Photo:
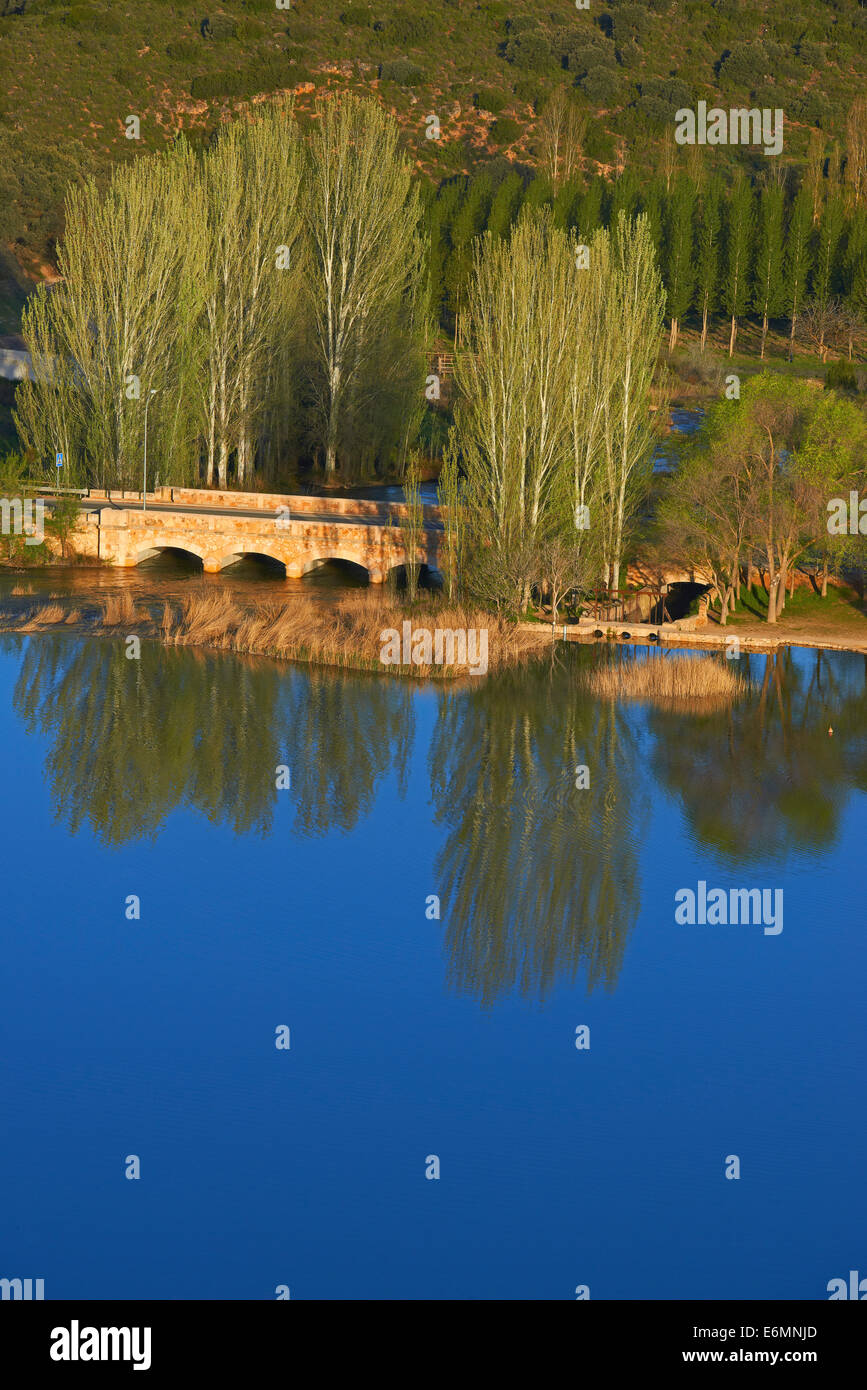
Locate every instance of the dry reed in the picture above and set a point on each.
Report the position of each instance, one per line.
(119, 608)
(348, 633)
(48, 616)
(681, 680)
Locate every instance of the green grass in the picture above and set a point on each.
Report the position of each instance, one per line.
(842, 610)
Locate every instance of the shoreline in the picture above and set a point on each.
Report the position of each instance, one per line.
(676, 637)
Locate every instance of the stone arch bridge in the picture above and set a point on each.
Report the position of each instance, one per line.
(219, 528)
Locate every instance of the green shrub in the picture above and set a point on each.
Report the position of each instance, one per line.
(841, 376)
(357, 17)
(600, 86)
(404, 27)
(630, 24)
(402, 71)
(505, 132)
(241, 83)
(529, 51)
(218, 28)
(248, 28)
(527, 89)
(183, 50)
(490, 99)
(582, 57)
(599, 143)
(748, 64)
(521, 24)
(661, 97)
(299, 31)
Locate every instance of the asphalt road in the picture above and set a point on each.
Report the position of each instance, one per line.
(329, 518)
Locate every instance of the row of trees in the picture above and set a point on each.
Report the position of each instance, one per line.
(553, 429)
(769, 250)
(255, 303)
(751, 499)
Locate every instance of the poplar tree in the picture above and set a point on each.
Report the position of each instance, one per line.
(117, 327)
(707, 272)
(828, 237)
(505, 205)
(249, 248)
(856, 152)
(798, 259)
(511, 414)
(635, 306)
(362, 212)
(856, 272)
(768, 287)
(562, 130)
(679, 253)
(740, 224)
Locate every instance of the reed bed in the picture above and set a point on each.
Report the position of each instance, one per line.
(348, 633)
(675, 680)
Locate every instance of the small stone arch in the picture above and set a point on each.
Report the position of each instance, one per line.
(159, 547)
(251, 552)
(313, 562)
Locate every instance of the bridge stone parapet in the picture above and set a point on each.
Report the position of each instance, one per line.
(300, 504)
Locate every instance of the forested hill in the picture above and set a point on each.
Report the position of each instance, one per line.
(74, 73)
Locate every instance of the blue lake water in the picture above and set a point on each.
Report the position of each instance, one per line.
(413, 1037)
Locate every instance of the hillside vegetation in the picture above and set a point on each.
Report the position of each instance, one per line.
(73, 73)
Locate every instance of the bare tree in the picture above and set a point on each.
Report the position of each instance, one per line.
(412, 527)
(856, 151)
(822, 325)
(562, 130)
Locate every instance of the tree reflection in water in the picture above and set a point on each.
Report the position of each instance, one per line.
(134, 740)
(765, 778)
(538, 879)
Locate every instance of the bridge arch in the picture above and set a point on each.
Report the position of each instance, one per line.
(160, 547)
(314, 562)
(253, 552)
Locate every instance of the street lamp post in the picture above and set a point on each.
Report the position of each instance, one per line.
(144, 494)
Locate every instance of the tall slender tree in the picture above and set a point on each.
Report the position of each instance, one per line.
(798, 258)
(250, 253)
(707, 270)
(362, 212)
(116, 328)
(679, 253)
(768, 286)
(740, 229)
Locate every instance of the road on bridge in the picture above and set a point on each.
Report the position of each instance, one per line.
(99, 504)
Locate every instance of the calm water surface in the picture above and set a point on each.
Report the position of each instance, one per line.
(412, 1036)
